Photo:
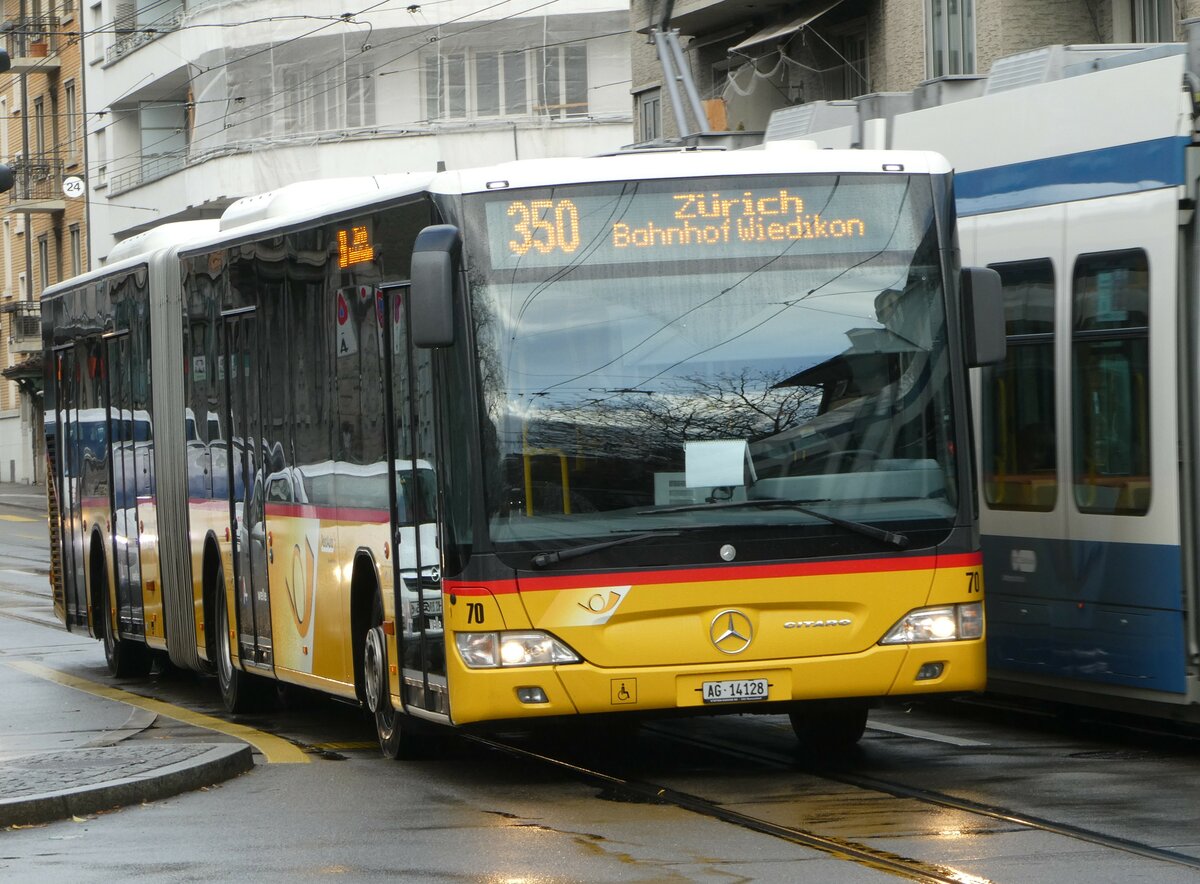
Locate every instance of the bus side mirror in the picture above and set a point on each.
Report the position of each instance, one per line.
(7, 179)
(983, 316)
(434, 260)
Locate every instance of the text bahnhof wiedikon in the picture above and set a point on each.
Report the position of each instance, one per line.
(710, 219)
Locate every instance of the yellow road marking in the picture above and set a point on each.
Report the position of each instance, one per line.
(275, 750)
(5, 518)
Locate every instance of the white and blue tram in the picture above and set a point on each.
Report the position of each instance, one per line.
(1076, 179)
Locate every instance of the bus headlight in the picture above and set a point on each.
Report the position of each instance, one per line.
(488, 650)
(944, 624)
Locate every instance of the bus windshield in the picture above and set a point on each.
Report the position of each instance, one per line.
(652, 352)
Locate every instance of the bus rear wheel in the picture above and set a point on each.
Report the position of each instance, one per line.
(125, 658)
(829, 725)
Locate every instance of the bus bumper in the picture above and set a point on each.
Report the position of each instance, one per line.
(581, 689)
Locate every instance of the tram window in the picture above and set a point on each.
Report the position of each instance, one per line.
(1019, 453)
(1111, 387)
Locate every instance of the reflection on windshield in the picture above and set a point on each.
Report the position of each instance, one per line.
(822, 371)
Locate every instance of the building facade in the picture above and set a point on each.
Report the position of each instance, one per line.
(195, 103)
(749, 60)
(119, 115)
(43, 225)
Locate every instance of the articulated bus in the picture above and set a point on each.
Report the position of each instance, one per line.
(663, 432)
(1077, 181)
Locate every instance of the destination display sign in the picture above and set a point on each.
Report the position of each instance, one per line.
(688, 222)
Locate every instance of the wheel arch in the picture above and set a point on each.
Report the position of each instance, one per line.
(364, 586)
(211, 569)
(99, 584)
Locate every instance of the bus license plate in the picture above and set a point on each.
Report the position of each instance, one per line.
(428, 607)
(734, 691)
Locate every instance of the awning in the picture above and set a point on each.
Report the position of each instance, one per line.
(778, 31)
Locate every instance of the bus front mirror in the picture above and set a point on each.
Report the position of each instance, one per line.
(7, 179)
(434, 260)
(983, 316)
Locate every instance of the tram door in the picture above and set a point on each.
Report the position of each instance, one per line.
(248, 468)
(128, 440)
(68, 456)
(417, 564)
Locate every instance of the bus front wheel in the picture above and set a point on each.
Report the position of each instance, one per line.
(829, 725)
(396, 731)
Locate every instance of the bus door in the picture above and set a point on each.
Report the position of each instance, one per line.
(417, 563)
(68, 455)
(248, 469)
(123, 441)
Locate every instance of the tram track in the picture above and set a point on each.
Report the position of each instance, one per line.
(635, 787)
(839, 848)
(939, 799)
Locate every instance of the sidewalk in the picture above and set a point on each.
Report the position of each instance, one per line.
(25, 497)
(68, 751)
(65, 752)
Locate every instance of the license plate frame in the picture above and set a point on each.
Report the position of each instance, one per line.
(735, 690)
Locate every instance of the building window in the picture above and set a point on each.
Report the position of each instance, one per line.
(855, 76)
(562, 78)
(360, 95)
(949, 37)
(501, 84)
(650, 115)
(74, 137)
(549, 82)
(164, 138)
(101, 144)
(446, 87)
(1110, 361)
(22, 286)
(1153, 20)
(8, 256)
(39, 127)
(76, 250)
(43, 251)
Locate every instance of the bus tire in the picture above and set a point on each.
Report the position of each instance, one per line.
(829, 725)
(240, 691)
(125, 658)
(398, 734)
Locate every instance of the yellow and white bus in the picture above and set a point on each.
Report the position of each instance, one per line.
(659, 432)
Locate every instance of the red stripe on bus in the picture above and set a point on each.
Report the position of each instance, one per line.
(328, 513)
(709, 575)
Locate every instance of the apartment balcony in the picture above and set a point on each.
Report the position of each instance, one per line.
(149, 167)
(33, 44)
(37, 185)
(132, 36)
(24, 326)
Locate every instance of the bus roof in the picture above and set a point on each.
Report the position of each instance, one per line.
(137, 250)
(795, 157)
(294, 204)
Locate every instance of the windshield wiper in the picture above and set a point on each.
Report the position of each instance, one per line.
(542, 560)
(766, 503)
